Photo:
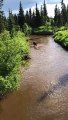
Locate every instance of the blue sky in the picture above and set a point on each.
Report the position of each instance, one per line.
(14, 5)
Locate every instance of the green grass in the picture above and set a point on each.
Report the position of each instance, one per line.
(62, 38)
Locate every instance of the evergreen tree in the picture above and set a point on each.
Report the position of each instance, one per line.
(67, 14)
(10, 23)
(27, 17)
(15, 19)
(16, 26)
(62, 2)
(33, 20)
(1, 3)
(61, 18)
(30, 17)
(1, 16)
(57, 17)
(4, 22)
(21, 18)
(37, 17)
(45, 12)
(63, 14)
(41, 12)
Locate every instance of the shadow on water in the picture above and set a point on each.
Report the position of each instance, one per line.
(62, 82)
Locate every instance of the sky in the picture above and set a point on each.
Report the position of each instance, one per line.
(14, 5)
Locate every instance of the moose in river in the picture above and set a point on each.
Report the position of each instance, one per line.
(34, 44)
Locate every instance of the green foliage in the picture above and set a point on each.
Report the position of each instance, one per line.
(62, 28)
(45, 28)
(62, 38)
(44, 12)
(26, 29)
(12, 52)
(21, 18)
(1, 3)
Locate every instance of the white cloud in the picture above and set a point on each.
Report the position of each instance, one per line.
(15, 11)
(50, 8)
(66, 2)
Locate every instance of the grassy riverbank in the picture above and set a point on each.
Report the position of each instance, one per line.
(13, 51)
(61, 37)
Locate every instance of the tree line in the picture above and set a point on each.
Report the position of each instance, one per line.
(34, 18)
(61, 16)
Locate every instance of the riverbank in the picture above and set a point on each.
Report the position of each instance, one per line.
(42, 33)
(61, 37)
(43, 30)
(14, 52)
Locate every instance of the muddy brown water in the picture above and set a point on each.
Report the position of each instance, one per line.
(43, 94)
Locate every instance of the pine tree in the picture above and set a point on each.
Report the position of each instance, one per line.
(10, 23)
(1, 16)
(16, 26)
(57, 17)
(21, 18)
(41, 12)
(67, 14)
(1, 3)
(62, 2)
(30, 17)
(27, 17)
(37, 17)
(63, 13)
(45, 12)
(33, 20)
(15, 19)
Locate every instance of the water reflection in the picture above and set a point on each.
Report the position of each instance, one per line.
(62, 82)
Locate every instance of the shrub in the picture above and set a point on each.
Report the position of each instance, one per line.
(62, 38)
(12, 51)
(44, 28)
(62, 28)
(26, 29)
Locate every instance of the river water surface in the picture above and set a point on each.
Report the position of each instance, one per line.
(43, 94)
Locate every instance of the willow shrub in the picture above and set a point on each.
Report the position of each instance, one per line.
(62, 38)
(27, 29)
(12, 52)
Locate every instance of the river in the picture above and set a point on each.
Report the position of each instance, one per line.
(43, 94)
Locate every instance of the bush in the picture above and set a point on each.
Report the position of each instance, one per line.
(26, 29)
(12, 51)
(62, 38)
(62, 28)
(44, 28)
